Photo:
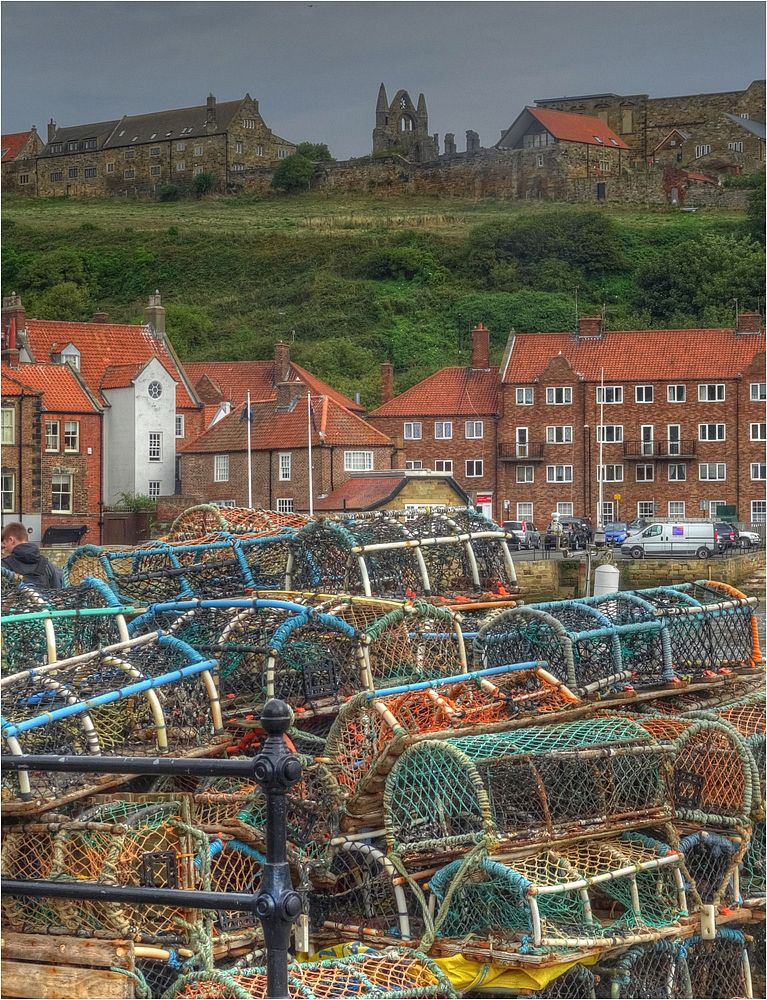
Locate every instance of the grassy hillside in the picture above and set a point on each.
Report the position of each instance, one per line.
(353, 281)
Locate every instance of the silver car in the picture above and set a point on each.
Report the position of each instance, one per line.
(526, 534)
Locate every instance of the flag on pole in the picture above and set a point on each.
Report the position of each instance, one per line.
(247, 414)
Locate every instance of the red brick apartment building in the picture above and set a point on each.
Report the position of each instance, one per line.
(448, 422)
(684, 422)
(683, 427)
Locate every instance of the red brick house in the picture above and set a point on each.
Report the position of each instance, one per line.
(683, 428)
(214, 467)
(52, 449)
(447, 422)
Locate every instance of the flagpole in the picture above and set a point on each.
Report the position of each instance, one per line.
(250, 459)
(601, 472)
(309, 438)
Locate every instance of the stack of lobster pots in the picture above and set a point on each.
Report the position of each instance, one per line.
(563, 799)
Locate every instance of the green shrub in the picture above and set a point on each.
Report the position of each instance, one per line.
(315, 151)
(293, 174)
(168, 192)
(203, 184)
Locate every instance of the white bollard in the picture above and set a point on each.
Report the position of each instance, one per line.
(606, 580)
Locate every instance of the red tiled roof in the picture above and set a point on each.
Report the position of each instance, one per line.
(631, 355)
(62, 390)
(361, 493)
(236, 378)
(568, 127)
(450, 391)
(12, 144)
(695, 175)
(103, 346)
(332, 423)
(120, 376)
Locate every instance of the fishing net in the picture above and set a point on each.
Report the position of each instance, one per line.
(164, 571)
(644, 972)
(313, 811)
(719, 968)
(393, 974)
(148, 695)
(379, 555)
(414, 643)
(134, 841)
(583, 647)
(711, 861)
(370, 732)
(42, 626)
(711, 626)
(572, 896)
(753, 867)
(358, 893)
(525, 786)
(756, 950)
(714, 778)
(205, 518)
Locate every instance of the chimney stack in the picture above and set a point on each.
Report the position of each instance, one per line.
(288, 394)
(590, 326)
(10, 350)
(154, 313)
(100, 317)
(13, 309)
(281, 361)
(480, 346)
(210, 114)
(749, 322)
(51, 130)
(387, 381)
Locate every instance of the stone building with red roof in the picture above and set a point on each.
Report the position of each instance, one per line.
(682, 429)
(18, 161)
(448, 422)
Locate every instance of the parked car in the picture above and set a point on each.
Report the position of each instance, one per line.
(616, 532)
(748, 539)
(725, 535)
(673, 538)
(637, 524)
(576, 534)
(524, 535)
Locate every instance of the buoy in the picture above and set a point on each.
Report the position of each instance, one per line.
(606, 580)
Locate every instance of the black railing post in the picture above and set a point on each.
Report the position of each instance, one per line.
(277, 904)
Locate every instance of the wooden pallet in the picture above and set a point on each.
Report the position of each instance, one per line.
(43, 966)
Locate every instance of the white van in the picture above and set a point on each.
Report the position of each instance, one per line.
(682, 538)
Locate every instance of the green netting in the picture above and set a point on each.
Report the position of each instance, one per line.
(526, 785)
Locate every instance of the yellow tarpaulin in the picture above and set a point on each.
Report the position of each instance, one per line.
(467, 974)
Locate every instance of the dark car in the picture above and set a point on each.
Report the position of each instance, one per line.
(524, 535)
(576, 534)
(725, 536)
(616, 532)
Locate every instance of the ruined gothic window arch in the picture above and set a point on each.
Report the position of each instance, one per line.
(405, 124)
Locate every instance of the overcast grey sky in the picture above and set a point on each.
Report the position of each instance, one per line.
(316, 66)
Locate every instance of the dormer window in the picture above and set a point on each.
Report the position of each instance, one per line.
(57, 147)
(89, 144)
(72, 147)
(68, 355)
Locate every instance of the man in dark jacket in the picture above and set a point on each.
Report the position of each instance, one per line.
(23, 557)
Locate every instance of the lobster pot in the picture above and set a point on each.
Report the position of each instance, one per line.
(134, 842)
(753, 867)
(329, 556)
(371, 730)
(164, 571)
(584, 649)
(551, 897)
(656, 971)
(748, 717)
(358, 888)
(418, 642)
(207, 518)
(43, 626)
(719, 968)
(756, 950)
(27, 853)
(149, 695)
(388, 976)
(712, 863)
(313, 809)
(714, 778)
(711, 626)
(576, 984)
(526, 786)
(218, 803)
(233, 866)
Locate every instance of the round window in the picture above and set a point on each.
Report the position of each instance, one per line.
(155, 390)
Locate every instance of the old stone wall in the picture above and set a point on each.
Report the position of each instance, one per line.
(637, 574)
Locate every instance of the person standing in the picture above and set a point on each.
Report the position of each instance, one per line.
(25, 558)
